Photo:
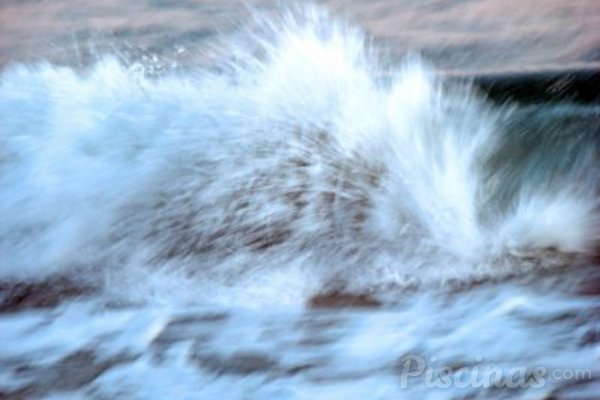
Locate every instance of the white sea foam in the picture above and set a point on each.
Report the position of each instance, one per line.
(295, 165)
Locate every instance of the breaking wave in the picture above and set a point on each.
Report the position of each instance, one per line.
(299, 164)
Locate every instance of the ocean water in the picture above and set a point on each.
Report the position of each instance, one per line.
(182, 226)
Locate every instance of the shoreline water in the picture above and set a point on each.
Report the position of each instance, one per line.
(293, 231)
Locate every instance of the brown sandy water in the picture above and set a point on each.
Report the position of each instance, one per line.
(461, 36)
